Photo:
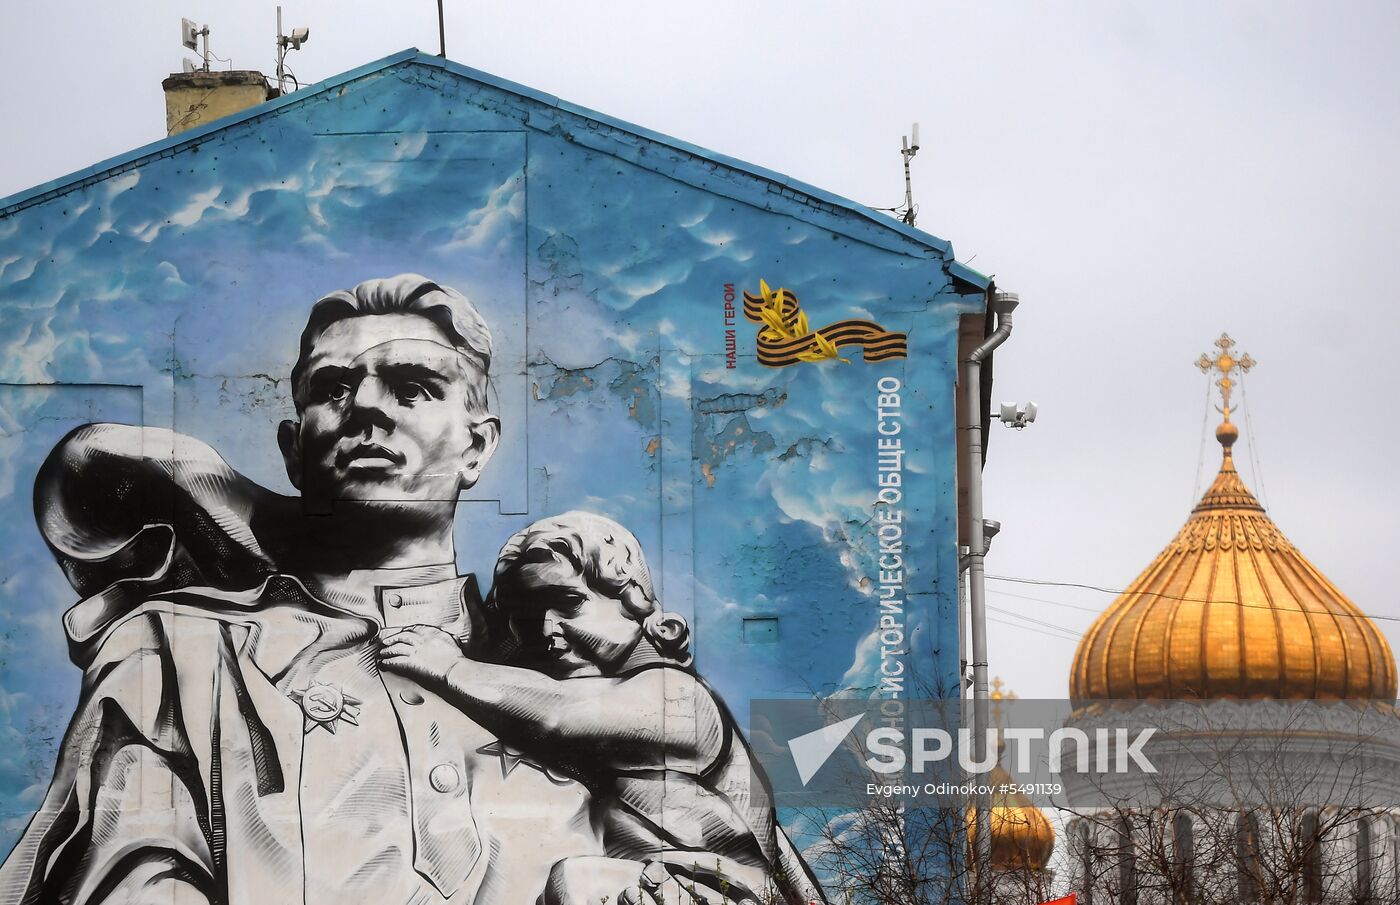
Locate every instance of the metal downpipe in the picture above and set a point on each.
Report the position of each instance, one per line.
(1003, 304)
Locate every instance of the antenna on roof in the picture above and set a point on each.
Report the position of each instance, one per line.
(909, 149)
(442, 33)
(293, 41)
(189, 36)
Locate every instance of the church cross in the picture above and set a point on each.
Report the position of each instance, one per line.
(1223, 363)
(999, 696)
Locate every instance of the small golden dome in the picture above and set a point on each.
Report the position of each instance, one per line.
(1231, 609)
(1022, 837)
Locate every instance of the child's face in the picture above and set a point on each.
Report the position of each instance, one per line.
(571, 629)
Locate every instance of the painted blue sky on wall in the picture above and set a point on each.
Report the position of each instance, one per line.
(171, 293)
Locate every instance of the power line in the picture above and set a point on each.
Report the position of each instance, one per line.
(1030, 629)
(1032, 619)
(1045, 582)
(1116, 591)
(1070, 606)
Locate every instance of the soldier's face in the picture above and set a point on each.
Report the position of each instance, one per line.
(384, 414)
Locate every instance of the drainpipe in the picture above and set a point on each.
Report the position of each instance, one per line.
(964, 702)
(1003, 303)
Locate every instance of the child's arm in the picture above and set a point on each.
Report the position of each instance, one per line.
(654, 719)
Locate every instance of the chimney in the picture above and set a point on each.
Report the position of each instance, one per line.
(198, 98)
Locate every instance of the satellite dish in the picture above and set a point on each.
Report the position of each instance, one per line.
(189, 34)
(190, 65)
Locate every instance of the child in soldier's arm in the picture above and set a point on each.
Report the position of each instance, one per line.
(599, 688)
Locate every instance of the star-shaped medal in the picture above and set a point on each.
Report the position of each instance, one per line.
(325, 706)
(510, 759)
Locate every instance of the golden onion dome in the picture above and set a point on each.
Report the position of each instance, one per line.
(1231, 609)
(1022, 836)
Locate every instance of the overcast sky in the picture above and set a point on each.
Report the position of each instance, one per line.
(1146, 175)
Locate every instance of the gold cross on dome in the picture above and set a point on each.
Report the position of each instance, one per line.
(1224, 363)
(998, 696)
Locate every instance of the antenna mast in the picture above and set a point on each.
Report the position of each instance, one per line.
(908, 150)
(442, 33)
(189, 36)
(293, 41)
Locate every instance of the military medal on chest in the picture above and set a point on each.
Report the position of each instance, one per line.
(511, 758)
(325, 706)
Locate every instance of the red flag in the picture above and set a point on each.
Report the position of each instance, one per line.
(1070, 899)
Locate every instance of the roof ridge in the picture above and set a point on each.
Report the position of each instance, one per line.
(779, 183)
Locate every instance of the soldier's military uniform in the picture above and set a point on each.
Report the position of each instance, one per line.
(244, 747)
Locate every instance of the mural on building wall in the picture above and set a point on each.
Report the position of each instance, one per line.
(293, 685)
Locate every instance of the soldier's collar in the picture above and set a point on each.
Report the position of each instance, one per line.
(443, 602)
(414, 576)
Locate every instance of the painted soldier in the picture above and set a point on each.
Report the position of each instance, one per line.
(235, 740)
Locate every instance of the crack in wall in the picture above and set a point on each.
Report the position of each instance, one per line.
(805, 446)
(727, 403)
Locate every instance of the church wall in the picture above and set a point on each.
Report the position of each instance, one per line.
(1286, 862)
